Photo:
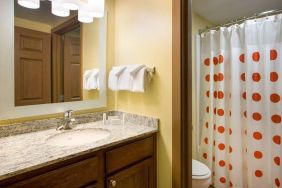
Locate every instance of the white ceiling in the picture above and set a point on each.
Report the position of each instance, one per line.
(223, 11)
(43, 14)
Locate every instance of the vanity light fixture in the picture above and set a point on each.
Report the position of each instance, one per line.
(59, 10)
(96, 8)
(33, 4)
(87, 9)
(84, 16)
(70, 4)
(90, 9)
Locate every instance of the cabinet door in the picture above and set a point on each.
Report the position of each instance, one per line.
(32, 67)
(121, 157)
(141, 175)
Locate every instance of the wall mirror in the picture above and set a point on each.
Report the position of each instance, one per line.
(50, 63)
(51, 57)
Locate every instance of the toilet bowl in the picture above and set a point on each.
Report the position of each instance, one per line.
(201, 175)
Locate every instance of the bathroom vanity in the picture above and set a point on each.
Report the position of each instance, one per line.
(124, 159)
(127, 165)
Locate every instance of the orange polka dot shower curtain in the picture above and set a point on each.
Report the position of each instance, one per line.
(240, 105)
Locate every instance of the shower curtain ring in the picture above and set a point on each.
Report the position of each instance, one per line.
(256, 16)
(245, 18)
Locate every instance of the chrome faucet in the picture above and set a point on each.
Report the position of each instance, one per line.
(68, 121)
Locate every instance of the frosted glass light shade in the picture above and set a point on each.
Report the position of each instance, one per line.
(33, 4)
(59, 10)
(70, 4)
(83, 16)
(97, 8)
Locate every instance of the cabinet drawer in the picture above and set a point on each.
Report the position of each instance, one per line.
(123, 156)
(74, 175)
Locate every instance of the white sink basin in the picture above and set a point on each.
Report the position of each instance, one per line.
(78, 137)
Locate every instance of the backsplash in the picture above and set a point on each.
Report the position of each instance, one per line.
(39, 125)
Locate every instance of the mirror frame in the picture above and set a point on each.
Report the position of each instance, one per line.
(8, 110)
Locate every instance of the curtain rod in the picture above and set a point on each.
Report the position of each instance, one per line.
(241, 20)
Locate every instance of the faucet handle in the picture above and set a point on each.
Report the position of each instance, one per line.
(68, 114)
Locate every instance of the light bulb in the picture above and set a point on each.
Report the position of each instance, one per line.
(59, 10)
(83, 16)
(70, 4)
(33, 4)
(95, 8)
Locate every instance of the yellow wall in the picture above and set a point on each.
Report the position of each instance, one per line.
(90, 52)
(197, 23)
(143, 34)
(20, 22)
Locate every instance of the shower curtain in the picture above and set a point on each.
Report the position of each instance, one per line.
(240, 103)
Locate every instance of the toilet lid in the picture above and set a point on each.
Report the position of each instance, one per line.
(199, 169)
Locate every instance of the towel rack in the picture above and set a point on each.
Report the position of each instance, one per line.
(151, 70)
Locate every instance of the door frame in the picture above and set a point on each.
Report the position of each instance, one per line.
(57, 34)
(182, 94)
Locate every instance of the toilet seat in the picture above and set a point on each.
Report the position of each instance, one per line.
(200, 170)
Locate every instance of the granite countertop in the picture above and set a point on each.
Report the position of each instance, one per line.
(29, 151)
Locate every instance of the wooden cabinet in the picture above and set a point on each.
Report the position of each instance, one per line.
(126, 155)
(128, 165)
(78, 174)
(91, 186)
(141, 175)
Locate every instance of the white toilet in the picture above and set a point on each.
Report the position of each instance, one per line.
(201, 175)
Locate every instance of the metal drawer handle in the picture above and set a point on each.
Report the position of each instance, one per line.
(113, 183)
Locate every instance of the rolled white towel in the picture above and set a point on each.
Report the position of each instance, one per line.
(134, 69)
(130, 77)
(125, 79)
(92, 81)
(86, 76)
(118, 70)
(139, 80)
(114, 76)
